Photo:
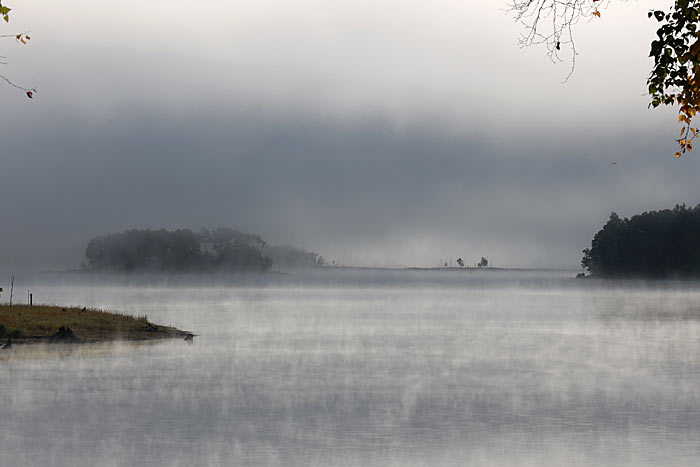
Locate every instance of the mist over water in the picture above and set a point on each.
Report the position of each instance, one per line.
(361, 367)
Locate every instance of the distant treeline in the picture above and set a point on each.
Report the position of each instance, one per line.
(222, 249)
(655, 244)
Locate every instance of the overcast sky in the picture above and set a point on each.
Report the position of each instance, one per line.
(383, 133)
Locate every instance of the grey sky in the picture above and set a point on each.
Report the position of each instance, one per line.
(379, 133)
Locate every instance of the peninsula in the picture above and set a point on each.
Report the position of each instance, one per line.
(24, 324)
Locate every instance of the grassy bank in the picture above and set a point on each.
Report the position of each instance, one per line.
(44, 323)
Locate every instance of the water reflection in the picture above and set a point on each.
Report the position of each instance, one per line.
(533, 371)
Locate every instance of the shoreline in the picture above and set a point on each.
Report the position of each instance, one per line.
(52, 324)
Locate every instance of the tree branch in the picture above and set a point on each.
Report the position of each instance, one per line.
(550, 23)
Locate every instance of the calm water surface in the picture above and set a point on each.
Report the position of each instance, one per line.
(368, 368)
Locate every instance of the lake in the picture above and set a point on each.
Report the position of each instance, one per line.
(366, 368)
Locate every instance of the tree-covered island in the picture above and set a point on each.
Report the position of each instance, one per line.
(182, 250)
(654, 244)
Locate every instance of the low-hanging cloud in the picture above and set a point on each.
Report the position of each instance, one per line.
(379, 134)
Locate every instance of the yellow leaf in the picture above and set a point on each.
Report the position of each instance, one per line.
(678, 154)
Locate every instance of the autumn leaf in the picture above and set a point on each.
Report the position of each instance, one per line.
(596, 13)
(30, 94)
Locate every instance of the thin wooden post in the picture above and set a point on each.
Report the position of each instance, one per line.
(12, 288)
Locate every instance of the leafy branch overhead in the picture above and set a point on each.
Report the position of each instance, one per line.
(5, 12)
(22, 38)
(675, 76)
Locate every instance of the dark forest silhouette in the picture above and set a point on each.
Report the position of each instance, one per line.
(223, 249)
(655, 244)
